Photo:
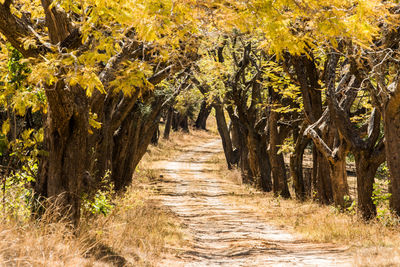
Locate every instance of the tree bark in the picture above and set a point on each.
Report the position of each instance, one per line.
(336, 158)
(224, 133)
(338, 175)
(391, 122)
(131, 142)
(366, 168)
(324, 190)
(204, 112)
(307, 75)
(180, 121)
(258, 161)
(184, 123)
(62, 172)
(168, 123)
(280, 186)
(296, 165)
(156, 135)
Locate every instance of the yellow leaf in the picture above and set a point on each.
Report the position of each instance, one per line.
(5, 128)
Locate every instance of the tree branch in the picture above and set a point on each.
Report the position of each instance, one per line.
(16, 31)
(161, 75)
(321, 145)
(373, 129)
(57, 22)
(338, 114)
(122, 110)
(7, 4)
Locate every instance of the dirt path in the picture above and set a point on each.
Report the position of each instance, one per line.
(222, 235)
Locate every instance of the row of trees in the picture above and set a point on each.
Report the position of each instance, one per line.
(319, 74)
(102, 72)
(264, 99)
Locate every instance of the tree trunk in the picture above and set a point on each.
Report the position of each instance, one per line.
(265, 167)
(259, 161)
(323, 181)
(126, 143)
(234, 130)
(224, 133)
(338, 175)
(366, 171)
(168, 124)
(180, 121)
(296, 165)
(156, 135)
(280, 186)
(242, 146)
(244, 161)
(61, 172)
(391, 127)
(184, 123)
(326, 184)
(307, 75)
(131, 142)
(324, 188)
(205, 111)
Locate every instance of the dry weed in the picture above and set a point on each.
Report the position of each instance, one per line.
(137, 232)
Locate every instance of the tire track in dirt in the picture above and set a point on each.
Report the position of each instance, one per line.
(223, 235)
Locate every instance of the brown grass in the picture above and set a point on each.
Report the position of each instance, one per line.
(375, 243)
(135, 233)
(138, 231)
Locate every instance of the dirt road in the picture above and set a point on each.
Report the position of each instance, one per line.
(223, 235)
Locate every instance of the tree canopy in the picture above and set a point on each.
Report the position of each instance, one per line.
(88, 81)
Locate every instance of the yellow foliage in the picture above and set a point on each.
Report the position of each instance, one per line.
(5, 128)
(93, 122)
(295, 26)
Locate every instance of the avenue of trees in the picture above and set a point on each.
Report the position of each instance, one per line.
(84, 85)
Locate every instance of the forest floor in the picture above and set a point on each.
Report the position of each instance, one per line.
(221, 231)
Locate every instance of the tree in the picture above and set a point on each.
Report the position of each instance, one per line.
(99, 60)
(295, 30)
(205, 110)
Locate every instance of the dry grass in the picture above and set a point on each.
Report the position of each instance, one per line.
(377, 256)
(375, 243)
(321, 223)
(137, 232)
